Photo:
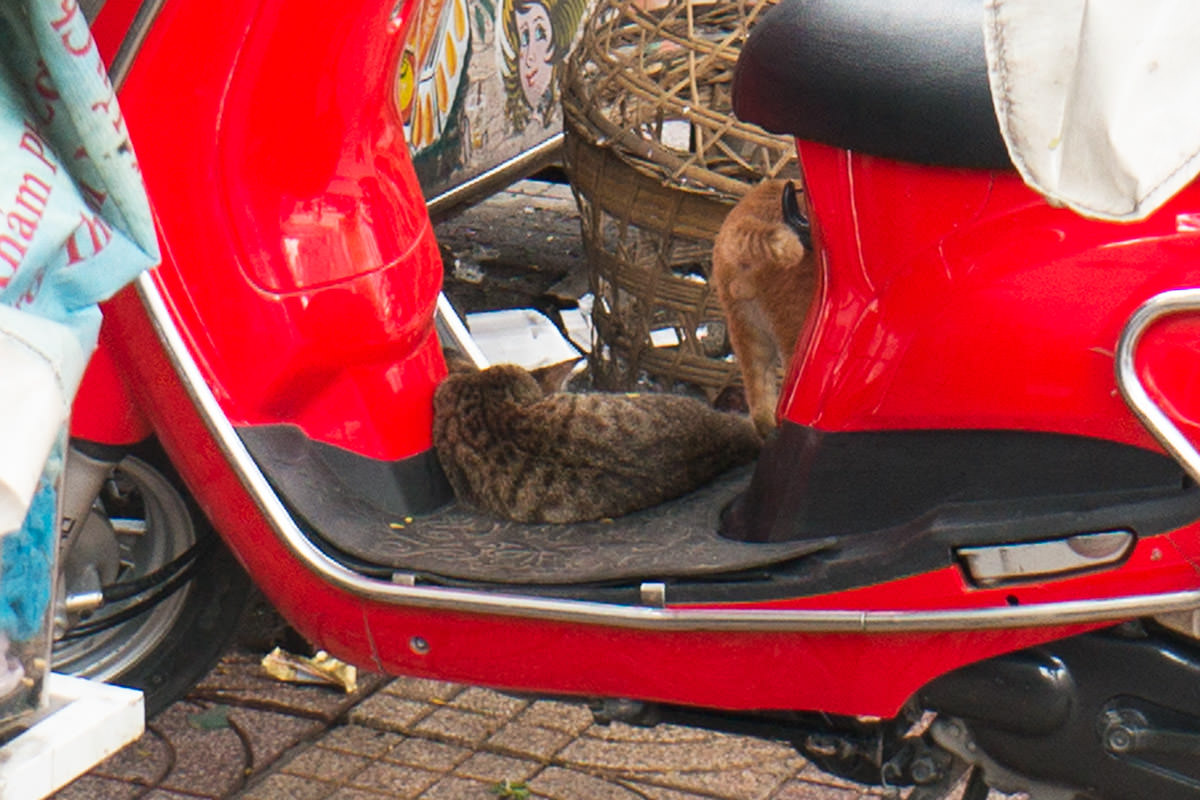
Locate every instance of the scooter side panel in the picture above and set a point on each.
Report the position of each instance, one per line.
(839, 672)
(303, 267)
(331, 618)
(104, 410)
(995, 311)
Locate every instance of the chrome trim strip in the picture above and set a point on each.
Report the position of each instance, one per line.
(91, 8)
(1132, 389)
(134, 38)
(637, 617)
(451, 326)
(493, 180)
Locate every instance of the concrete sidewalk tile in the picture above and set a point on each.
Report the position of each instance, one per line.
(239, 679)
(390, 712)
(269, 735)
(93, 787)
(144, 761)
(428, 754)
(423, 689)
(665, 756)
(728, 784)
(530, 741)
(455, 788)
(488, 701)
(280, 786)
(394, 780)
(458, 726)
(646, 791)
(495, 768)
(210, 758)
(330, 765)
(573, 718)
(351, 793)
(360, 740)
(558, 783)
(664, 733)
(685, 759)
(803, 790)
(814, 774)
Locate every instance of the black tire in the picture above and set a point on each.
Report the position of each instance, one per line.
(166, 636)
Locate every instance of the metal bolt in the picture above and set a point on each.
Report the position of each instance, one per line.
(925, 770)
(418, 645)
(1118, 739)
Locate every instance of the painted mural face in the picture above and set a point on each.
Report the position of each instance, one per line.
(535, 38)
(535, 53)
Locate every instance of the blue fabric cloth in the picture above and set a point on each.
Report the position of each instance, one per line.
(27, 564)
(75, 226)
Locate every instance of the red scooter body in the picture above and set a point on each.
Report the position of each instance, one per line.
(988, 308)
(298, 291)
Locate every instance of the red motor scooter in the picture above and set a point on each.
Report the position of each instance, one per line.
(973, 544)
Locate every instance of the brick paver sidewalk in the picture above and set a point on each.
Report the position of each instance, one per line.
(242, 735)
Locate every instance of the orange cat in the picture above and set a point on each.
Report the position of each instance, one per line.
(765, 279)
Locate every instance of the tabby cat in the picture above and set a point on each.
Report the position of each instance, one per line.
(765, 280)
(516, 452)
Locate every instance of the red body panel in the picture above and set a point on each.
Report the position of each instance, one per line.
(299, 257)
(300, 268)
(104, 410)
(834, 672)
(961, 299)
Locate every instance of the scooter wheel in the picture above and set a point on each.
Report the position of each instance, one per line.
(172, 593)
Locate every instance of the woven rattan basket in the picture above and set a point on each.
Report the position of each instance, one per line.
(656, 160)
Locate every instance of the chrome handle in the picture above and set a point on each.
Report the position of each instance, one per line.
(1132, 389)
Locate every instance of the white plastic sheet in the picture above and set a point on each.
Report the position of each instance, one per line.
(75, 226)
(1098, 100)
(42, 363)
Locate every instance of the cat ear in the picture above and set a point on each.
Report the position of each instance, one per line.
(516, 382)
(794, 217)
(525, 389)
(553, 378)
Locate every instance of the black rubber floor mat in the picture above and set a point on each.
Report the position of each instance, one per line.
(673, 540)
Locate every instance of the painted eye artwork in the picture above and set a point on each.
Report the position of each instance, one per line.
(536, 56)
(537, 36)
(475, 83)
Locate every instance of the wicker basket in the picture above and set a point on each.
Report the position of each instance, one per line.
(656, 160)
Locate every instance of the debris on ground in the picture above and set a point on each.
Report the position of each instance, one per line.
(321, 668)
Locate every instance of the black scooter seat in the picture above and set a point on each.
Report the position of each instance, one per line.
(902, 79)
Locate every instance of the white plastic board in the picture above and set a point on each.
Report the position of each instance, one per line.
(84, 723)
